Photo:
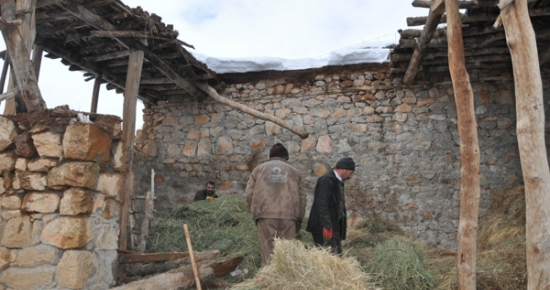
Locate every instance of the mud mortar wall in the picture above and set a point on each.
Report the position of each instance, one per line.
(60, 190)
(404, 139)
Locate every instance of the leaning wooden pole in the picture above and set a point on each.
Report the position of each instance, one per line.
(214, 95)
(520, 37)
(469, 151)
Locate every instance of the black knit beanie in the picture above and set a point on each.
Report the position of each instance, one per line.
(345, 163)
(278, 150)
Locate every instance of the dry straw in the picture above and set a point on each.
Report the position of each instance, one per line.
(293, 266)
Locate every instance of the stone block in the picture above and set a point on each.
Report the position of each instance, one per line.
(48, 144)
(108, 262)
(2, 187)
(67, 232)
(17, 232)
(7, 161)
(76, 201)
(105, 234)
(117, 156)
(24, 146)
(7, 133)
(190, 148)
(324, 145)
(224, 146)
(77, 174)
(20, 278)
(111, 184)
(86, 142)
(9, 214)
(40, 202)
(272, 128)
(7, 257)
(111, 210)
(77, 270)
(42, 164)
(201, 119)
(31, 180)
(37, 256)
(21, 164)
(11, 202)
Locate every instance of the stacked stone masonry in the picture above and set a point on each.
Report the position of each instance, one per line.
(60, 193)
(403, 138)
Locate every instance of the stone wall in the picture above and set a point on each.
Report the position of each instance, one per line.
(403, 138)
(59, 196)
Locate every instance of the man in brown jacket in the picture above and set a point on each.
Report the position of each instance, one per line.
(276, 199)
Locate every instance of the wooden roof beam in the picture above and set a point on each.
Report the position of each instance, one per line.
(416, 21)
(107, 56)
(89, 67)
(461, 4)
(436, 11)
(98, 22)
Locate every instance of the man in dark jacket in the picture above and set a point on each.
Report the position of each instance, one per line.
(276, 199)
(208, 193)
(327, 219)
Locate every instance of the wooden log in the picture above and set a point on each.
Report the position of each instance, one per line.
(182, 278)
(19, 37)
(149, 208)
(95, 94)
(129, 123)
(144, 269)
(461, 4)
(133, 257)
(107, 56)
(436, 11)
(192, 257)
(37, 53)
(212, 93)
(10, 94)
(5, 68)
(531, 139)
(469, 152)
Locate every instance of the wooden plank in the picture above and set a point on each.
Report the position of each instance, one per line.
(530, 124)
(5, 68)
(10, 94)
(214, 95)
(149, 208)
(469, 151)
(107, 56)
(148, 268)
(151, 258)
(95, 94)
(461, 4)
(37, 53)
(437, 10)
(131, 93)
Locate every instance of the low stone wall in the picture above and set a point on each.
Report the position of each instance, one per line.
(60, 193)
(404, 139)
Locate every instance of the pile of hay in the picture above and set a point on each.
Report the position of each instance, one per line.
(501, 260)
(400, 264)
(295, 267)
(224, 224)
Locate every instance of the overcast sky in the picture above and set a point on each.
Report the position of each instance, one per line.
(239, 29)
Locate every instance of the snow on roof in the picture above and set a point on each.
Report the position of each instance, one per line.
(366, 52)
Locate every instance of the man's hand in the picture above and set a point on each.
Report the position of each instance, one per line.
(327, 233)
(211, 198)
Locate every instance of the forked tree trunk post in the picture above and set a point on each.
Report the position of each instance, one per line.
(520, 37)
(469, 151)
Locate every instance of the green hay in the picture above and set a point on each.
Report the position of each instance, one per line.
(224, 224)
(293, 266)
(400, 263)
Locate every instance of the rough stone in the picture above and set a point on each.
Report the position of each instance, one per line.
(77, 269)
(225, 146)
(18, 278)
(201, 119)
(21, 164)
(31, 180)
(86, 142)
(105, 234)
(11, 202)
(78, 174)
(17, 232)
(24, 145)
(40, 202)
(272, 129)
(67, 232)
(204, 147)
(7, 133)
(111, 184)
(190, 148)
(42, 164)
(48, 144)
(308, 144)
(117, 156)
(76, 201)
(324, 145)
(7, 162)
(37, 256)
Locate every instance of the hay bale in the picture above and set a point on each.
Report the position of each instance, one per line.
(400, 263)
(295, 267)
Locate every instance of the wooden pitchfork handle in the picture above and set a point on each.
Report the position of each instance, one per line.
(192, 257)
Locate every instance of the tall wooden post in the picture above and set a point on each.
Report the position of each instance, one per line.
(131, 92)
(469, 151)
(37, 58)
(521, 40)
(95, 95)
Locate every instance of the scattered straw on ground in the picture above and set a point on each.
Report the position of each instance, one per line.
(295, 267)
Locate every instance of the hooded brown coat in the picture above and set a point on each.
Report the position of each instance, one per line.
(275, 191)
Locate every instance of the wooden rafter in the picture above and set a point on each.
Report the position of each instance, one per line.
(436, 11)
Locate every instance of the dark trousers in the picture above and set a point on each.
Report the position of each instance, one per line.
(335, 243)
